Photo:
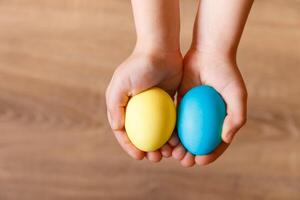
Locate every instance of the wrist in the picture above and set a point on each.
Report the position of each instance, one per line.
(147, 47)
(213, 53)
(158, 43)
(160, 58)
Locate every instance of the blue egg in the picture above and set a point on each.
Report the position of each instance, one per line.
(201, 114)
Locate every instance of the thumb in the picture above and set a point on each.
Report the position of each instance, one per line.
(236, 116)
(230, 127)
(116, 101)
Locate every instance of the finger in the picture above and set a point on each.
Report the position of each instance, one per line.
(236, 115)
(179, 152)
(128, 146)
(166, 151)
(174, 141)
(154, 156)
(117, 96)
(188, 160)
(206, 159)
(231, 127)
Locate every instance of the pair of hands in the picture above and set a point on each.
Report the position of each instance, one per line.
(169, 71)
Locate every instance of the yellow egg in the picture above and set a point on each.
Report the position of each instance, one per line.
(150, 119)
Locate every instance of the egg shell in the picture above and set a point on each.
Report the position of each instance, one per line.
(200, 119)
(150, 119)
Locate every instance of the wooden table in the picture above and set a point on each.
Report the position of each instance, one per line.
(56, 59)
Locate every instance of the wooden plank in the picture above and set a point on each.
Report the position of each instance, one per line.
(56, 59)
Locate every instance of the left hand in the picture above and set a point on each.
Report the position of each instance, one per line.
(140, 71)
(220, 72)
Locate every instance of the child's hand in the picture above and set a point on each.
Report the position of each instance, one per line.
(141, 71)
(222, 73)
(212, 60)
(156, 61)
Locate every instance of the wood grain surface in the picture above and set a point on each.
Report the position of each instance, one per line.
(56, 59)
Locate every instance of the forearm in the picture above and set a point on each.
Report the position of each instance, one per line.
(219, 25)
(157, 24)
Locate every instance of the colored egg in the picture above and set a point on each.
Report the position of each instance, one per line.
(201, 114)
(150, 119)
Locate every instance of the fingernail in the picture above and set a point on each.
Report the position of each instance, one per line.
(229, 137)
(111, 122)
